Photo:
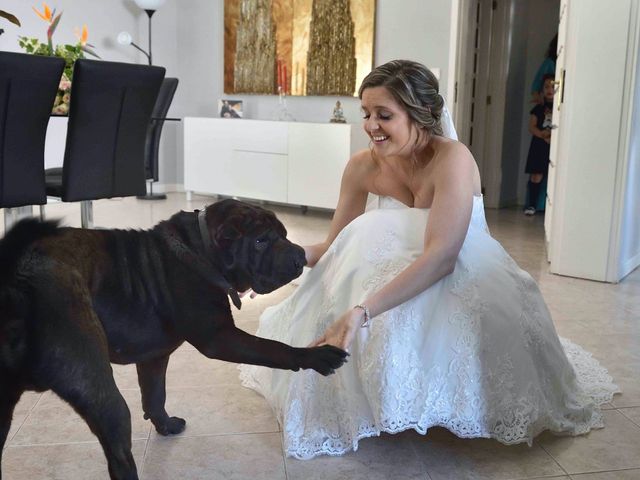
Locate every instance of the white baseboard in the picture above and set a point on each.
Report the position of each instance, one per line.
(629, 266)
(166, 187)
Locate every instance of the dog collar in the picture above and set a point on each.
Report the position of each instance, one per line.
(208, 247)
(204, 231)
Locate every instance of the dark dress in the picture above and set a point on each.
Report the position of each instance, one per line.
(538, 157)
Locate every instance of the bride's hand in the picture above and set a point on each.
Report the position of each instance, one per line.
(249, 292)
(342, 332)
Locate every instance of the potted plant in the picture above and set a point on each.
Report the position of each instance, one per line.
(70, 53)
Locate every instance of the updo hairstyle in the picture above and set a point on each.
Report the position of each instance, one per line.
(414, 87)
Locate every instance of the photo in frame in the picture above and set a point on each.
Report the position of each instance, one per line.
(230, 108)
(297, 47)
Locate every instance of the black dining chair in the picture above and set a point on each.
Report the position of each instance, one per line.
(109, 114)
(28, 87)
(152, 146)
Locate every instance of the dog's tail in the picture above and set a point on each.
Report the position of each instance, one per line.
(14, 302)
(17, 240)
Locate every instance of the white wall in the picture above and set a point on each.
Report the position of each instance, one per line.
(418, 31)
(188, 38)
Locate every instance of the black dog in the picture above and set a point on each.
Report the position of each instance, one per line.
(72, 300)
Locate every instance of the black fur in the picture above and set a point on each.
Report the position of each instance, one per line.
(74, 300)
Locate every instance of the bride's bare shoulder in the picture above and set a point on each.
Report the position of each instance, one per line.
(453, 151)
(362, 162)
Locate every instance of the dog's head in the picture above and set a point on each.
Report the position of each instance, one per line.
(253, 247)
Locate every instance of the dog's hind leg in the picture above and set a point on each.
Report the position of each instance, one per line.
(93, 394)
(151, 378)
(9, 396)
(73, 361)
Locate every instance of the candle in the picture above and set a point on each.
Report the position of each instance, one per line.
(279, 75)
(284, 78)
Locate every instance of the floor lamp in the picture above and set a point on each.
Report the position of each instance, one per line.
(124, 38)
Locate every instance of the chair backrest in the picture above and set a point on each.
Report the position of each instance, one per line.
(152, 147)
(109, 114)
(28, 87)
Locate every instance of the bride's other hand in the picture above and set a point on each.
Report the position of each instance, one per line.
(342, 332)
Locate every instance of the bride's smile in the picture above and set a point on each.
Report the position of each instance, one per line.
(387, 123)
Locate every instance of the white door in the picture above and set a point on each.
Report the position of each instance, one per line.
(555, 153)
(480, 86)
(473, 99)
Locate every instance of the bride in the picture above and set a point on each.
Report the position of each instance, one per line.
(442, 326)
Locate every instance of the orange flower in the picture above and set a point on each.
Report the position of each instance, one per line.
(82, 36)
(47, 14)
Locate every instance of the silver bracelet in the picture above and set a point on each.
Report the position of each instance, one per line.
(367, 315)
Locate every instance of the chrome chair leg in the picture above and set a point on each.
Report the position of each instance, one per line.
(42, 213)
(86, 213)
(14, 215)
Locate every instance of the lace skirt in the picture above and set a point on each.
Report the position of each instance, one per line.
(476, 353)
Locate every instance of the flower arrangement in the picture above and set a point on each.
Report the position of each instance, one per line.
(70, 53)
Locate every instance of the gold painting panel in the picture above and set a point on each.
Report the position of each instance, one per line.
(297, 47)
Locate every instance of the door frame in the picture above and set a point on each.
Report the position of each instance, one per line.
(491, 125)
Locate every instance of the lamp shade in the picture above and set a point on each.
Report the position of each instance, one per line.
(124, 38)
(149, 4)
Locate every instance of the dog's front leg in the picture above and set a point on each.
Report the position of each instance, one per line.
(151, 378)
(234, 345)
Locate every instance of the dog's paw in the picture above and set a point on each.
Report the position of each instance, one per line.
(171, 426)
(325, 359)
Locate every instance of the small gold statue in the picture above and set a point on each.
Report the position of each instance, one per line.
(338, 115)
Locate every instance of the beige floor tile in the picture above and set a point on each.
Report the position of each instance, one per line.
(446, 456)
(73, 461)
(222, 409)
(126, 377)
(632, 414)
(222, 457)
(615, 475)
(54, 421)
(27, 402)
(615, 446)
(190, 368)
(378, 458)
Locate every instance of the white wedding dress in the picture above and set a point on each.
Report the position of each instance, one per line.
(476, 353)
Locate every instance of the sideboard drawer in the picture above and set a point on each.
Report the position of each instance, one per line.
(263, 176)
(260, 136)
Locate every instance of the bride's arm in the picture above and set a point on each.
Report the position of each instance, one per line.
(446, 230)
(351, 203)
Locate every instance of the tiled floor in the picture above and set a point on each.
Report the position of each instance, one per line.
(232, 434)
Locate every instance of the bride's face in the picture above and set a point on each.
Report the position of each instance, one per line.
(387, 123)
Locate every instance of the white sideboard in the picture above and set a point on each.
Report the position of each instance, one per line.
(287, 162)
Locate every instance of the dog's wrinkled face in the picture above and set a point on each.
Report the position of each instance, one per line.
(253, 245)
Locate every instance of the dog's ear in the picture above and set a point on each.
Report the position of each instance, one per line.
(224, 237)
(226, 234)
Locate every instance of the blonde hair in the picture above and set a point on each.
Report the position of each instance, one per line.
(414, 87)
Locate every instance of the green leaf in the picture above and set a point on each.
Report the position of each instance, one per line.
(85, 48)
(11, 18)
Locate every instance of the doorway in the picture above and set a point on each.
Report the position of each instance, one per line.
(500, 45)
